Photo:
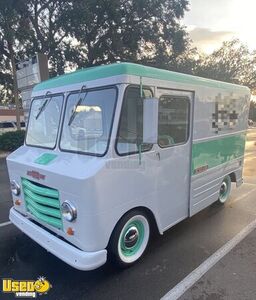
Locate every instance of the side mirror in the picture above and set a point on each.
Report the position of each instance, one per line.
(150, 120)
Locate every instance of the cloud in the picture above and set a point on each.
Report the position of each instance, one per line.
(207, 35)
(208, 40)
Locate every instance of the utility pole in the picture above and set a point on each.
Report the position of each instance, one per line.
(10, 41)
(15, 86)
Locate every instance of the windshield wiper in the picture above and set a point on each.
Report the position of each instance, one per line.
(43, 107)
(80, 100)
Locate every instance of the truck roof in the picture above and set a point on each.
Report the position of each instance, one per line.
(116, 69)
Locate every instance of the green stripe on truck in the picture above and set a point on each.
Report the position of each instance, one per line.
(212, 153)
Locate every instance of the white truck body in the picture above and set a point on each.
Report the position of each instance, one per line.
(170, 182)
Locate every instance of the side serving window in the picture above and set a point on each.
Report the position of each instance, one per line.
(130, 131)
(173, 126)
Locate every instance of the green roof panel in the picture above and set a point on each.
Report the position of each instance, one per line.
(116, 69)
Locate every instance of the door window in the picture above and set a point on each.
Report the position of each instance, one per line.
(173, 126)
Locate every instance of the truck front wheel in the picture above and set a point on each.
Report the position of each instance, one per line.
(130, 239)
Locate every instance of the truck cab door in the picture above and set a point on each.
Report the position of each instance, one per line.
(174, 152)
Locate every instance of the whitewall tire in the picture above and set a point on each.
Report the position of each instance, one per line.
(130, 238)
(225, 190)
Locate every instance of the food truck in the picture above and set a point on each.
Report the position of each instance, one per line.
(116, 151)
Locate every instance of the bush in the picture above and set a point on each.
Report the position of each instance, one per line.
(10, 141)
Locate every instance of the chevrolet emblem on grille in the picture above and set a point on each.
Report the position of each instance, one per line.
(36, 175)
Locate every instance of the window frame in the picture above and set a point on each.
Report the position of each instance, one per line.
(119, 121)
(111, 126)
(58, 131)
(189, 119)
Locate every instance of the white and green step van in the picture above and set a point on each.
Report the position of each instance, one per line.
(113, 152)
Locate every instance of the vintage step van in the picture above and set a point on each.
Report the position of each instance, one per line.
(113, 151)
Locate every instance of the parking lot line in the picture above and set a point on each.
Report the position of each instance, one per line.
(5, 224)
(196, 274)
(244, 195)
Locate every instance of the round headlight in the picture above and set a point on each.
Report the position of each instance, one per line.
(68, 211)
(15, 188)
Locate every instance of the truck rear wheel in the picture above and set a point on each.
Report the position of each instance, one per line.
(130, 239)
(225, 189)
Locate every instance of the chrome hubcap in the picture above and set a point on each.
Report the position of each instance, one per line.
(131, 237)
(223, 188)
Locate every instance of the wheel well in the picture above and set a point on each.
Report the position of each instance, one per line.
(149, 214)
(233, 177)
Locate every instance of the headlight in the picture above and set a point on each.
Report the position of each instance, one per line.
(15, 188)
(68, 211)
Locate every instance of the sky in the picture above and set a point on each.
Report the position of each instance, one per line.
(210, 22)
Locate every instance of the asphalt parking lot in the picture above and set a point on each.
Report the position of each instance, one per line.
(170, 258)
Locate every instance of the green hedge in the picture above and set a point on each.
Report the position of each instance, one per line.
(10, 141)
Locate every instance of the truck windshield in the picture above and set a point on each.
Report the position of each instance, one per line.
(88, 121)
(44, 121)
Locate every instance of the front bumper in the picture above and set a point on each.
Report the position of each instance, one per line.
(71, 255)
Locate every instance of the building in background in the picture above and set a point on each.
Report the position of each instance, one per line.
(30, 72)
(9, 115)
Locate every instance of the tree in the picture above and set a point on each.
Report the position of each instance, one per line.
(27, 27)
(233, 62)
(119, 30)
(46, 20)
(79, 33)
(10, 33)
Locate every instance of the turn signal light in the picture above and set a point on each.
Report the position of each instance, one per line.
(70, 231)
(17, 202)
